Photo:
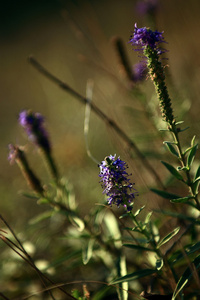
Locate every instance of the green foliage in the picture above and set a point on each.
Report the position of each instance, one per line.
(168, 237)
(173, 171)
(187, 275)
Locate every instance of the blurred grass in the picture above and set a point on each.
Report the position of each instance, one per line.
(73, 39)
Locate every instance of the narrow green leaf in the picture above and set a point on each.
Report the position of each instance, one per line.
(87, 251)
(181, 130)
(196, 180)
(165, 195)
(190, 203)
(187, 150)
(182, 200)
(135, 275)
(191, 155)
(28, 195)
(192, 141)
(148, 217)
(179, 122)
(197, 173)
(189, 249)
(163, 129)
(172, 170)
(139, 211)
(138, 247)
(41, 217)
(185, 277)
(171, 148)
(168, 237)
(195, 185)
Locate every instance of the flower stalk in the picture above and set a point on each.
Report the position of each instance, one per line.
(33, 123)
(148, 42)
(18, 156)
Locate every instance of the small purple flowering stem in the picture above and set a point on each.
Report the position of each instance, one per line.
(120, 192)
(33, 124)
(147, 41)
(101, 114)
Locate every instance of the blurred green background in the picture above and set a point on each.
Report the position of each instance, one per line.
(74, 40)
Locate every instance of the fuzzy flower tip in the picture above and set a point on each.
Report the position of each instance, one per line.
(33, 123)
(116, 183)
(143, 37)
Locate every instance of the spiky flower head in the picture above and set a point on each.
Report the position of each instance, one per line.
(145, 37)
(33, 123)
(116, 183)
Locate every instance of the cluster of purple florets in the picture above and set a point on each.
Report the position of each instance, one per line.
(116, 183)
(33, 123)
(143, 37)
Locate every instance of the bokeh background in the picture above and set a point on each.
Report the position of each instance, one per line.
(74, 41)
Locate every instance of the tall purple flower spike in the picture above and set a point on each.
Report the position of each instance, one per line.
(33, 123)
(116, 183)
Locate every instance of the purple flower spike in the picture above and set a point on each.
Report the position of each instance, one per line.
(33, 125)
(143, 37)
(116, 183)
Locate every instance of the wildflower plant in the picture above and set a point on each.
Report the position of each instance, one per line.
(116, 183)
(33, 124)
(102, 238)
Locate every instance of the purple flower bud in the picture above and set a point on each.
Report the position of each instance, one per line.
(116, 183)
(143, 37)
(33, 123)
